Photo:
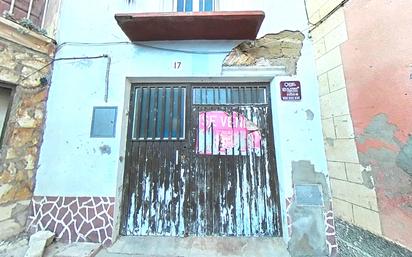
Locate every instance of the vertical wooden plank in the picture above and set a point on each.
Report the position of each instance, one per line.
(142, 180)
(169, 192)
(231, 180)
(256, 186)
(273, 172)
(208, 167)
(160, 228)
(224, 207)
(193, 123)
(151, 171)
(248, 176)
(261, 167)
(259, 121)
(216, 190)
(175, 175)
(203, 187)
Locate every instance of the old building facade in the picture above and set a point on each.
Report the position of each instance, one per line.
(25, 55)
(164, 118)
(196, 128)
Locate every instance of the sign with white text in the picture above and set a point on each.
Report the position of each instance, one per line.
(290, 91)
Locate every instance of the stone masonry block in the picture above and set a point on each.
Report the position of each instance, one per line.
(354, 193)
(328, 6)
(38, 242)
(332, 22)
(343, 210)
(9, 76)
(6, 211)
(341, 150)
(9, 228)
(336, 78)
(354, 172)
(344, 127)
(328, 61)
(323, 84)
(5, 189)
(334, 104)
(367, 219)
(320, 48)
(337, 170)
(336, 37)
(328, 129)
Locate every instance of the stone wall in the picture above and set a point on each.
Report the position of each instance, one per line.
(354, 198)
(21, 55)
(365, 93)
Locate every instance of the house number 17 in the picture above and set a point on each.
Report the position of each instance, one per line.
(177, 65)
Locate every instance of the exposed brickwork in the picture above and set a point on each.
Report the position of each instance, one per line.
(23, 135)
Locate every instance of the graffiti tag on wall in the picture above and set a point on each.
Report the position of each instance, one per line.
(221, 133)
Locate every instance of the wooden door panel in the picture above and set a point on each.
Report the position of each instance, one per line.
(215, 186)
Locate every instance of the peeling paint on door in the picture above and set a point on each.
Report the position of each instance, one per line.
(193, 187)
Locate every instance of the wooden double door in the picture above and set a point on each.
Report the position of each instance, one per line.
(200, 162)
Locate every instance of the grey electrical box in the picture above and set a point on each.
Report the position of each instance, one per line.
(104, 122)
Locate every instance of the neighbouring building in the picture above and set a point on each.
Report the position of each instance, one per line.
(184, 118)
(25, 55)
(363, 61)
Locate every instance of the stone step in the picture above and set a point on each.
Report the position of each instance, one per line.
(72, 250)
(196, 247)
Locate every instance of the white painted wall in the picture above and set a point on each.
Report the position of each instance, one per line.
(71, 163)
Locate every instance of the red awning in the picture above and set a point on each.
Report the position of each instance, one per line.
(240, 25)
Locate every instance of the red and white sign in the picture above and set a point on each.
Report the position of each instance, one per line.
(220, 133)
(290, 91)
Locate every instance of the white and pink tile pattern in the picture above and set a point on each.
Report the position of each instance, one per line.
(74, 219)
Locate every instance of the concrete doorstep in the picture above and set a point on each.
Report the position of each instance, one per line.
(73, 250)
(196, 247)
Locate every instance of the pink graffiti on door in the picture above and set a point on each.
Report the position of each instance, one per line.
(220, 133)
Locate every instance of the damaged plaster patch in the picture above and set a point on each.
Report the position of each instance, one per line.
(303, 172)
(308, 236)
(380, 128)
(404, 158)
(390, 169)
(309, 114)
(105, 149)
(281, 49)
(367, 178)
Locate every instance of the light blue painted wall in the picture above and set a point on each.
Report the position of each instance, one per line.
(71, 163)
